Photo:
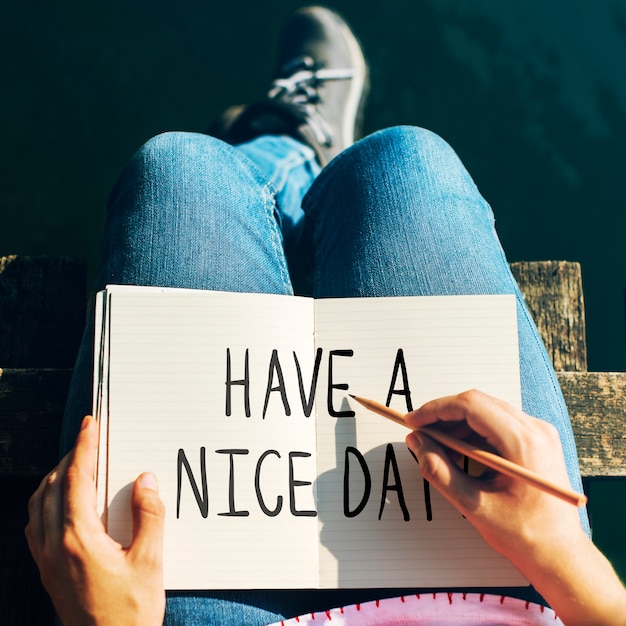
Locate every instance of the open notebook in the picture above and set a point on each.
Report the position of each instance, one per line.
(271, 475)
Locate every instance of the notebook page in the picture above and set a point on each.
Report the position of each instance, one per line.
(100, 396)
(384, 537)
(168, 393)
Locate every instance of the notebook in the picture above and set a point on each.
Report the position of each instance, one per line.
(271, 475)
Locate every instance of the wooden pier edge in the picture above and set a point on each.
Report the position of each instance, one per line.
(42, 315)
(42, 312)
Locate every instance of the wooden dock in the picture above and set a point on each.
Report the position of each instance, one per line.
(42, 313)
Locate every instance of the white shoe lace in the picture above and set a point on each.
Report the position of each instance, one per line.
(300, 90)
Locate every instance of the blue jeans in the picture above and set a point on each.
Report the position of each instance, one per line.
(396, 214)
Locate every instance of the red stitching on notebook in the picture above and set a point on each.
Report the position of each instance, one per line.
(449, 597)
(502, 599)
(402, 599)
(328, 615)
(377, 604)
(465, 595)
(358, 607)
(482, 597)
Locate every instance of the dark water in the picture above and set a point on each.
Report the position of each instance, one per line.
(531, 94)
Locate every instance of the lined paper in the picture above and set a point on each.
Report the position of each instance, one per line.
(166, 389)
(449, 344)
(278, 473)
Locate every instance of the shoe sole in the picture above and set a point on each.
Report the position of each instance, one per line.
(359, 84)
(359, 88)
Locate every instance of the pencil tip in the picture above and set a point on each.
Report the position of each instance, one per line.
(352, 396)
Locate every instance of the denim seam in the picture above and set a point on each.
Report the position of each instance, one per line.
(257, 175)
(268, 192)
(269, 198)
(272, 214)
(284, 167)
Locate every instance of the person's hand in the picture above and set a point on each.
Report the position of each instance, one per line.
(508, 512)
(539, 533)
(91, 578)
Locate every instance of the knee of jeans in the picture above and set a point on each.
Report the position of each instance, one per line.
(186, 162)
(408, 164)
(172, 151)
(161, 157)
(412, 151)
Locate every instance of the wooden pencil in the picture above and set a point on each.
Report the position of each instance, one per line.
(489, 459)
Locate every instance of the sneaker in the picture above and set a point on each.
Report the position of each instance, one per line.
(319, 91)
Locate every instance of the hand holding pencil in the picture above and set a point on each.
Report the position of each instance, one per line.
(539, 533)
(512, 514)
(485, 457)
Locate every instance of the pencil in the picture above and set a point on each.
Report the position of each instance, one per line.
(489, 459)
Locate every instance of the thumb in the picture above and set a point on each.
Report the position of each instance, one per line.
(148, 521)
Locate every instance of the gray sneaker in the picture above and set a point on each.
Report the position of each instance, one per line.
(319, 91)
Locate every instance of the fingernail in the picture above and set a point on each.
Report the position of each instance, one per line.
(86, 421)
(148, 481)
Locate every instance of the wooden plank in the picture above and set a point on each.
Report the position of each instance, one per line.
(23, 600)
(32, 402)
(42, 310)
(554, 296)
(42, 315)
(37, 331)
(596, 401)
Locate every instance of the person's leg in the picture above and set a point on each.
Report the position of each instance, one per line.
(397, 214)
(197, 207)
(190, 211)
(291, 167)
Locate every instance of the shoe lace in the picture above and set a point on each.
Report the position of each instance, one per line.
(300, 90)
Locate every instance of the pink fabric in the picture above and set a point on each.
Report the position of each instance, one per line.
(435, 609)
